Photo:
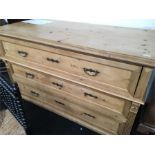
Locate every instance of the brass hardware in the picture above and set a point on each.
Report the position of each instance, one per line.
(22, 53)
(29, 75)
(57, 84)
(53, 60)
(87, 94)
(34, 93)
(91, 116)
(60, 103)
(91, 72)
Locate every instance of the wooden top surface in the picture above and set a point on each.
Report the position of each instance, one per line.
(126, 44)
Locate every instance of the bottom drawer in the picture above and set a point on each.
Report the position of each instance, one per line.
(73, 111)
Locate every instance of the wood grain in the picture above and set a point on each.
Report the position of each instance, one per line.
(86, 94)
(2, 115)
(68, 116)
(143, 83)
(94, 75)
(73, 109)
(1, 49)
(125, 80)
(98, 108)
(75, 79)
(132, 45)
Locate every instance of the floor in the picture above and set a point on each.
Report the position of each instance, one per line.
(10, 126)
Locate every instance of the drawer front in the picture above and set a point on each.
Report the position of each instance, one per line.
(114, 105)
(22, 53)
(73, 109)
(110, 76)
(34, 93)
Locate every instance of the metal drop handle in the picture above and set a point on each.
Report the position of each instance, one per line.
(22, 53)
(60, 103)
(29, 75)
(53, 60)
(91, 72)
(93, 96)
(89, 115)
(57, 84)
(34, 93)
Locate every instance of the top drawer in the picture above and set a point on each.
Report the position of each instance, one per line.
(106, 75)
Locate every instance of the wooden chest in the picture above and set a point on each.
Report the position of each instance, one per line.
(94, 75)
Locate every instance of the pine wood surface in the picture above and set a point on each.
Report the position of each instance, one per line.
(124, 82)
(127, 44)
(94, 75)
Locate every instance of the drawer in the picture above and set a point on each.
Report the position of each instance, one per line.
(73, 109)
(115, 107)
(113, 76)
(22, 53)
(35, 94)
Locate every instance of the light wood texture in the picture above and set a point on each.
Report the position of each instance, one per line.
(94, 75)
(146, 129)
(68, 52)
(100, 76)
(104, 108)
(131, 117)
(62, 86)
(88, 83)
(68, 116)
(1, 49)
(9, 70)
(61, 104)
(143, 83)
(10, 126)
(132, 45)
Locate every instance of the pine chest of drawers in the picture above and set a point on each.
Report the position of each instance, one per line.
(97, 76)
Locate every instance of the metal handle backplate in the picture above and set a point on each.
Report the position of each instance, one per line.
(34, 93)
(91, 72)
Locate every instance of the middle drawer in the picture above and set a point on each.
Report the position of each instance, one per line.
(117, 108)
(63, 106)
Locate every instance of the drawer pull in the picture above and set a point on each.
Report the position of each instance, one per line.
(34, 93)
(29, 75)
(53, 60)
(91, 72)
(22, 53)
(86, 114)
(57, 84)
(60, 103)
(87, 94)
